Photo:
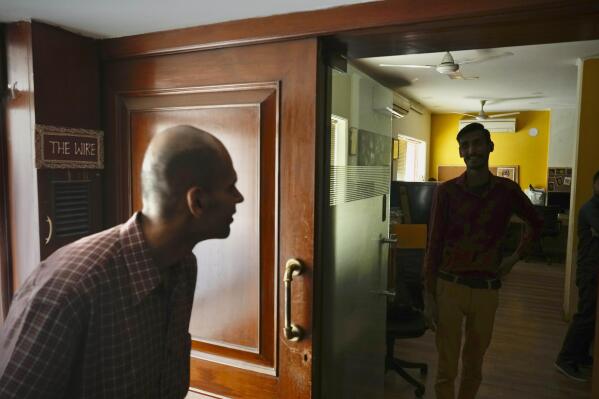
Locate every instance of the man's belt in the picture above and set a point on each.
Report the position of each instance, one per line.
(472, 282)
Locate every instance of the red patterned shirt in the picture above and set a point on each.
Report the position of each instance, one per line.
(467, 229)
(97, 320)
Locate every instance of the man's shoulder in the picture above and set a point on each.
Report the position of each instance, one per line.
(505, 182)
(506, 185)
(80, 265)
(94, 248)
(449, 185)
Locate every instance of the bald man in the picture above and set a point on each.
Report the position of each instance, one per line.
(108, 316)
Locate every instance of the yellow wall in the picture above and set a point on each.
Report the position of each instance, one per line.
(529, 153)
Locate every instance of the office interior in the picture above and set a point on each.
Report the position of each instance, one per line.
(531, 123)
(285, 84)
(535, 134)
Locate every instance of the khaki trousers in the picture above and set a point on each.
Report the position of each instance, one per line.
(478, 306)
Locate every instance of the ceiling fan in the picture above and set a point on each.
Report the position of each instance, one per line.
(483, 116)
(449, 66)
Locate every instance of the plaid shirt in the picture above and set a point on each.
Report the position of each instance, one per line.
(97, 320)
(467, 229)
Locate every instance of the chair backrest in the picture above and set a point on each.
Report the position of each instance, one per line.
(408, 281)
(551, 223)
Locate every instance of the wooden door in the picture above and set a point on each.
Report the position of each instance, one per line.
(260, 101)
(70, 204)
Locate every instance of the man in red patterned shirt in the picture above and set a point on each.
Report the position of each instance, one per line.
(108, 316)
(463, 263)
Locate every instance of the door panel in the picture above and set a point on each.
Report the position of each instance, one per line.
(241, 331)
(257, 103)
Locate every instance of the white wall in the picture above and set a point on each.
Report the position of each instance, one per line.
(416, 126)
(562, 133)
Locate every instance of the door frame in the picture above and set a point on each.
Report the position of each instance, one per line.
(392, 26)
(6, 283)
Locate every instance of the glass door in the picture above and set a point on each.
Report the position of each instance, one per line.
(356, 226)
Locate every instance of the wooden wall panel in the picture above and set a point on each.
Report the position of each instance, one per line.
(388, 27)
(57, 75)
(66, 78)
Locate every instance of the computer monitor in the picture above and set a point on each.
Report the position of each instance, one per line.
(419, 198)
(560, 200)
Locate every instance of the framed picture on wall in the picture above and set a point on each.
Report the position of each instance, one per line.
(509, 172)
(567, 181)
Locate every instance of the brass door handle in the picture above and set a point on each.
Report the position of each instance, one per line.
(293, 268)
(47, 239)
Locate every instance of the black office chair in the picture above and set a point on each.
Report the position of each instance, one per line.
(551, 228)
(404, 314)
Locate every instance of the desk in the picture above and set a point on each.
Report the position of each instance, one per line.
(409, 236)
(563, 218)
(553, 244)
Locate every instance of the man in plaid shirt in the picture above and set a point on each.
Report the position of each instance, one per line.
(463, 263)
(108, 316)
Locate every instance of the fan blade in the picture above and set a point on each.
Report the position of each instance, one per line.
(458, 76)
(408, 66)
(485, 58)
(506, 114)
(461, 113)
(497, 100)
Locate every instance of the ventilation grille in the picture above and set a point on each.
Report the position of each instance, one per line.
(71, 208)
(353, 183)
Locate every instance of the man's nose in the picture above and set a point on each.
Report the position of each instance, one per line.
(239, 197)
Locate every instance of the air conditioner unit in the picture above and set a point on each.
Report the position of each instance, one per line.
(401, 105)
(504, 125)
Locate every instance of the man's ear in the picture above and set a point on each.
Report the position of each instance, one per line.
(195, 199)
(491, 146)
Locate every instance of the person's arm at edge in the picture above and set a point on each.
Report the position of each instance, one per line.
(526, 211)
(434, 248)
(592, 217)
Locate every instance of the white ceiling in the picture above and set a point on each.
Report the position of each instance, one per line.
(116, 18)
(533, 78)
